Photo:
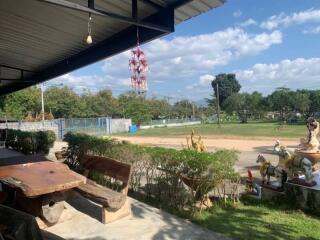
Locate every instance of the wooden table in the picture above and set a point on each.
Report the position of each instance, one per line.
(39, 184)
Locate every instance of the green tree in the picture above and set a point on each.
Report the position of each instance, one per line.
(63, 102)
(19, 104)
(300, 101)
(135, 107)
(286, 101)
(100, 104)
(244, 104)
(228, 84)
(182, 109)
(159, 108)
(237, 103)
(314, 97)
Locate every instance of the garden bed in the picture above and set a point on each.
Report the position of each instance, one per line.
(156, 181)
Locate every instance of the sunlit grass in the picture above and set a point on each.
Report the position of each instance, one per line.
(272, 130)
(259, 222)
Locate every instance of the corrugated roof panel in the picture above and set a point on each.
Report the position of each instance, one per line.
(195, 8)
(35, 35)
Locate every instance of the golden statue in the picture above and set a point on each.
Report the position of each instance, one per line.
(196, 144)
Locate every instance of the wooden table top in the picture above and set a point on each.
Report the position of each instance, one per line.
(35, 177)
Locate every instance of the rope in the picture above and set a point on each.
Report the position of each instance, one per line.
(138, 41)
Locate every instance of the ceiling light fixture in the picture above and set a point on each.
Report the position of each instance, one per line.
(89, 38)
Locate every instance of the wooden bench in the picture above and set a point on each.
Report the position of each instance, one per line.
(115, 204)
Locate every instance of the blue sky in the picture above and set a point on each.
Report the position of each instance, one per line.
(266, 43)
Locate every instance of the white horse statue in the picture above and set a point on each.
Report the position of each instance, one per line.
(267, 170)
(292, 163)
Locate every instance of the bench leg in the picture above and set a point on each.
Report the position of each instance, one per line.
(109, 216)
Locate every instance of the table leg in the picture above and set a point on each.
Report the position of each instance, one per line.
(48, 207)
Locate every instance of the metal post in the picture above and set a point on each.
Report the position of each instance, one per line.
(42, 104)
(218, 103)
(193, 112)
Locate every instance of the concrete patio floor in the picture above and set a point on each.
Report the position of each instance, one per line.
(81, 221)
(146, 223)
(7, 153)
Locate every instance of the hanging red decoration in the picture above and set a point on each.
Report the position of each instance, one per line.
(138, 66)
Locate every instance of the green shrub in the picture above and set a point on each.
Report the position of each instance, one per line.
(30, 142)
(159, 169)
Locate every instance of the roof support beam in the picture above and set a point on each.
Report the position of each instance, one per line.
(111, 46)
(152, 4)
(91, 4)
(180, 3)
(81, 8)
(134, 6)
(14, 68)
(17, 80)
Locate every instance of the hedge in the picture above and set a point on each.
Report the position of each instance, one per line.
(30, 142)
(156, 171)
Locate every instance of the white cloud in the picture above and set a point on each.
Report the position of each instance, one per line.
(205, 80)
(314, 30)
(237, 13)
(178, 62)
(248, 22)
(184, 58)
(283, 20)
(91, 82)
(296, 74)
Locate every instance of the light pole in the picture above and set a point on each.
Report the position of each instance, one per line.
(218, 104)
(42, 103)
(42, 100)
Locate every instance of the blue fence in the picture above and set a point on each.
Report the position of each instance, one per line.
(92, 126)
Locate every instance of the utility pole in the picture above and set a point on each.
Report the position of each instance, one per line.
(169, 113)
(42, 100)
(218, 104)
(42, 104)
(193, 112)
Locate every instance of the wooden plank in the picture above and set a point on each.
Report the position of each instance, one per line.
(38, 178)
(107, 166)
(110, 199)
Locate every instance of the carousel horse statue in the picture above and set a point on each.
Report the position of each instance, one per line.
(293, 163)
(267, 170)
(311, 143)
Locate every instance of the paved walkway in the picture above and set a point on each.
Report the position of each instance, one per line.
(81, 221)
(146, 223)
(7, 153)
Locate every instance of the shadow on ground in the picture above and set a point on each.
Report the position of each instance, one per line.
(174, 227)
(50, 236)
(86, 206)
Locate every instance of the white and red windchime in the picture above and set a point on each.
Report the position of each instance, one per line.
(138, 65)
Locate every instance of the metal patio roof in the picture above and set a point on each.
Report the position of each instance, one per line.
(43, 39)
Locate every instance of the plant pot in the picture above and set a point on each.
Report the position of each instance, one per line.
(314, 157)
(194, 182)
(200, 185)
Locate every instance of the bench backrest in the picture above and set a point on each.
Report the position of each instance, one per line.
(109, 167)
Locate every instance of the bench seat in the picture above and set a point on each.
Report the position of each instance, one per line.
(108, 198)
(115, 205)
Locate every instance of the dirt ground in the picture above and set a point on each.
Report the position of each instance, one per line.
(249, 148)
(213, 143)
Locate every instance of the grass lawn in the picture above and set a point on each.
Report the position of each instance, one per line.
(258, 222)
(273, 130)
